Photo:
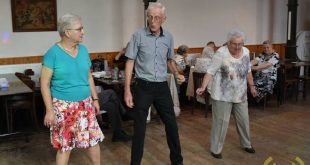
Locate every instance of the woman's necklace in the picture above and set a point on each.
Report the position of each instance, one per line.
(71, 51)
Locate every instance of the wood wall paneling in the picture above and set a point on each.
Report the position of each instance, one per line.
(279, 48)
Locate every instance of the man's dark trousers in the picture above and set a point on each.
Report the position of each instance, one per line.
(157, 93)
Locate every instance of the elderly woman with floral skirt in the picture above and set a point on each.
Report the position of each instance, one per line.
(69, 94)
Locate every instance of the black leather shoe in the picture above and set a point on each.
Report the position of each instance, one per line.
(121, 137)
(250, 150)
(217, 156)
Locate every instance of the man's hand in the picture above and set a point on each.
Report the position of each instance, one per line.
(180, 79)
(128, 98)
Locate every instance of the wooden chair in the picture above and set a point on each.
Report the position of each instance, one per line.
(22, 102)
(198, 79)
(289, 81)
(29, 72)
(304, 80)
(276, 90)
(22, 76)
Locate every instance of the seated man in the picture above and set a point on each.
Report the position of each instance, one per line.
(110, 102)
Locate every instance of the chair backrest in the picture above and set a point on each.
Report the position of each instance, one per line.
(198, 79)
(26, 79)
(30, 83)
(22, 76)
(289, 72)
(29, 72)
(97, 65)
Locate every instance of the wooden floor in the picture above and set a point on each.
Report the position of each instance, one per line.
(279, 135)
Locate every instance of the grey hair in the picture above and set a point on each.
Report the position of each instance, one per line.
(153, 5)
(267, 42)
(235, 34)
(66, 21)
(182, 49)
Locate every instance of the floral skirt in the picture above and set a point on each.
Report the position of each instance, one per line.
(76, 125)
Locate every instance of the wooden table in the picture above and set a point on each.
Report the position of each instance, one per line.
(116, 85)
(298, 70)
(16, 87)
(119, 84)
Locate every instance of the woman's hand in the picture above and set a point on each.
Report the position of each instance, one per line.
(97, 106)
(253, 90)
(49, 119)
(200, 91)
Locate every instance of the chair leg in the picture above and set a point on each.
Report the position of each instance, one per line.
(265, 101)
(296, 89)
(34, 115)
(8, 121)
(305, 89)
(194, 104)
(206, 105)
(206, 108)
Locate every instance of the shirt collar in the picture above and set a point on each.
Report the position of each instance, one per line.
(148, 32)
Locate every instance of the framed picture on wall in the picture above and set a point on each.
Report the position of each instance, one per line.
(34, 15)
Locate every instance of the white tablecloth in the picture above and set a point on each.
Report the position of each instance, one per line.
(174, 94)
(201, 66)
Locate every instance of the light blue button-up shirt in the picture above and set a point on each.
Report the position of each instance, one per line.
(151, 53)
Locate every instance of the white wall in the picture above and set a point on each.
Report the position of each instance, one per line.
(103, 23)
(110, 23)
(195, 22)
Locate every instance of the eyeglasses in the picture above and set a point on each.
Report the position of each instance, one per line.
(78, 29)
(154, 18)
(236, 44)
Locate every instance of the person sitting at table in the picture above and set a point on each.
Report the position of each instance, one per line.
(208, 50)
(181, 58)
(183, 68)
(120, 59)
(265, 65)
(204, 61)
(110, 102)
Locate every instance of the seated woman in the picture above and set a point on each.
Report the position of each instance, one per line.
(120, 59)
(206, 57)
(265, 65)
(209, 50)
(183, 68)
(181, 58)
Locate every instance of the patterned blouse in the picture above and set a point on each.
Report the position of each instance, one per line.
(180, 61)
(266, 79)
(229, 76)
(273, 59)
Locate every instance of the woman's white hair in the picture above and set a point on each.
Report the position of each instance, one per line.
(66, 21)
(153, 5)
(235, 34)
